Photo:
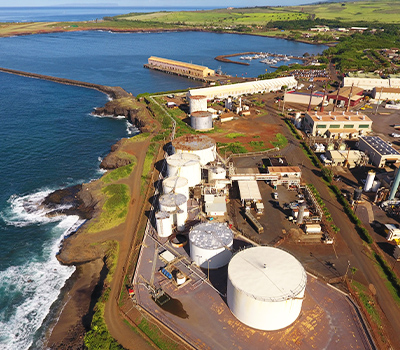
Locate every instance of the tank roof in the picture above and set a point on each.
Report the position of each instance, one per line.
(183, 159)
(267, 274)
(211, 235)
(172, 199)
(176, 181)
(201, 114)
(193, 142)
(162, 215)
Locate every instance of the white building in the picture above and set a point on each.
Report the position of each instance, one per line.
(250, 87)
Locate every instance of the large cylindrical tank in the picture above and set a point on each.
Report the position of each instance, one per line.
(164, 223)
(201, 120)
(197, 103)
(176, 184)
(369, 181)
(216, 172)
(201, 145)
(173, 202)
(209, 244)
(265, 288)
(185, 165)
(181, 217)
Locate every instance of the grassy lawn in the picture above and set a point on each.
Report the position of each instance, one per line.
(281, 141)
(148, 166)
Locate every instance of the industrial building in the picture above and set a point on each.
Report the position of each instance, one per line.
(344, 94)
(349, 158)
(265, 287)
(286, 175)
(371, 83)
(379, 152)
(337, 124)
(179, 68)
(304, 98)
(383, 94)
(250, 87)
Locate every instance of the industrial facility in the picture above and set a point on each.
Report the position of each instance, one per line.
(379, 152)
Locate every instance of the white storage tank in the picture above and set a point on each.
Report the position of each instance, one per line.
(202, 145)
(176, 184)
(369, 181)
(173, 202)
(216, 172)
(201, 120)
(197, 103)
(209, 244)
(265, 287)
(185, 165)
(181, 217)
(164, 223)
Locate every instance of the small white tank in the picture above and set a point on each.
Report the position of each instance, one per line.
(369, 181)
(216, 172)
(176, 184)
(181, 217)
(185, 165)
(201, 120)
(197, 103)
(173, 202)
(164, 224)
(180, 278)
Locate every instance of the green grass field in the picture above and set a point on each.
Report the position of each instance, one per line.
(382, 11)
(217, 17)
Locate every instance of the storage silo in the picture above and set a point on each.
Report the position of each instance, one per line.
(216, 172)
(265, 288)
(171, 202)
(164, 223)
(197, 103)
(181, 217)
(202, 145)
(369, 181)
(210, 244)
(185, 165)
(357, 194)
(176, 184)
(201, 120)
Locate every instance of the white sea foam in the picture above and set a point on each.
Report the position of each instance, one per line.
(33, 287)
(26, 210)
(131, 129)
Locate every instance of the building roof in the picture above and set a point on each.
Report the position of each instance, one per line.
(338, 117)
(345, 92)
(249, 190)
(381, 146)
(284, 169)
(267, 274)
(389, 90)
(179, 63)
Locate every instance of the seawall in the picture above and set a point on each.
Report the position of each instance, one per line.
(112, 91)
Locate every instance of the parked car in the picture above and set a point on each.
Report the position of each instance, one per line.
(275, 195)
(393, 134)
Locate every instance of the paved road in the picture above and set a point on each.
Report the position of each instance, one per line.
(359, 258)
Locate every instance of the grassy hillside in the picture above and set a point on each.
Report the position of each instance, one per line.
(382, 11)
(243, 16)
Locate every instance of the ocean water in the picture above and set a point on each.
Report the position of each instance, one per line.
(50, 140)
(82, 13)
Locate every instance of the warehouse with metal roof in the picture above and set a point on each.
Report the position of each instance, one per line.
(250, 87)
(380, 153)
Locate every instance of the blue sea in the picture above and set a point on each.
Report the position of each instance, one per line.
(49, 139)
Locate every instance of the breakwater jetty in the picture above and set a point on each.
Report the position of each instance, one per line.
(225, 58)
(114, 92)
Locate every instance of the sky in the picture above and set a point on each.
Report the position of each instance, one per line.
(149, 3)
